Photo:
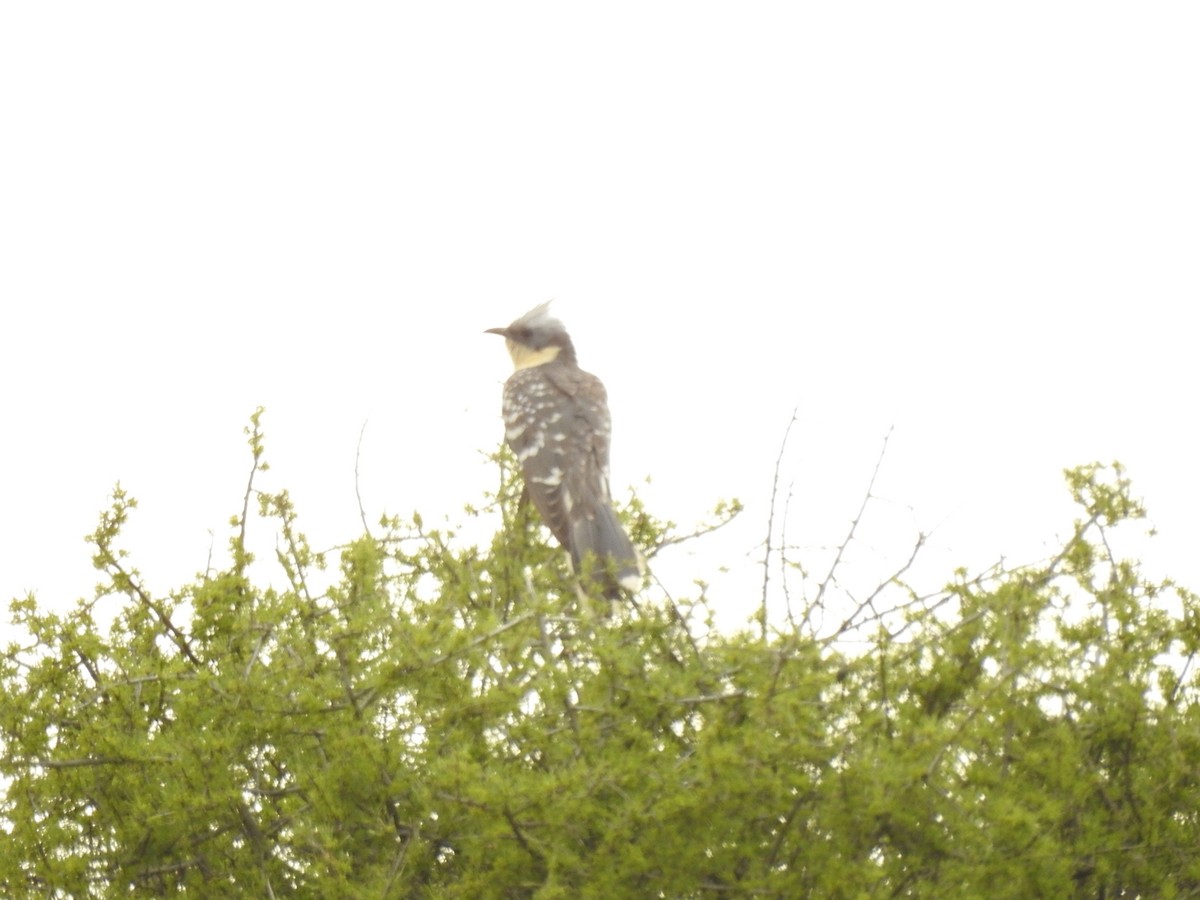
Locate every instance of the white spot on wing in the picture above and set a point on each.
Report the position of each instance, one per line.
(553, 478)
(534, 448)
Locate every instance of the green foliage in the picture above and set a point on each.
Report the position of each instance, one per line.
(445, 720)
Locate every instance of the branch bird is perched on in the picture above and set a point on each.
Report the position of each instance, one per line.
(556, 421)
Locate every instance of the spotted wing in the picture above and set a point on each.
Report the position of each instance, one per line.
(557, 422)
(540, 427)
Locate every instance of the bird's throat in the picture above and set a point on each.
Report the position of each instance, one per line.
(526, 357)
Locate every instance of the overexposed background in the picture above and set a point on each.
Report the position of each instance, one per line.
(977, 223)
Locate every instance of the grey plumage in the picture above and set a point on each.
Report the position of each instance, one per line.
(557, 422)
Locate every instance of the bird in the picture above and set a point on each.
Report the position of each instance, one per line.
(556, 421)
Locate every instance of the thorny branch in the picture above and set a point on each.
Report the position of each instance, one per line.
(841, 550)
(856, 618)
(699, 531)
(852, 621)
(762, 614)
(784, 561)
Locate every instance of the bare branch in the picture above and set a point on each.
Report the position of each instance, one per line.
(851, 621)
(357, 493)
(771, 523)
(841, 550)
(783, 560)
(699, 531)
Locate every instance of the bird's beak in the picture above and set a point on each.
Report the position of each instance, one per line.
(503, 332)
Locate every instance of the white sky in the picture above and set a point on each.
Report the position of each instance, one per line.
(979, 223)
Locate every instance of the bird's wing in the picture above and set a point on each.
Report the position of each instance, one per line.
(557, 422)
(595, 528)
(594, 425)
(590, 434)
(537, 420)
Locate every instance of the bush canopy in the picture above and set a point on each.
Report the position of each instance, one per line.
(432, 718)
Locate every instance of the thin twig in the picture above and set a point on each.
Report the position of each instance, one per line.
(783, 560)
(771, 523)
(841, 550)
(699, 531)
(358, 494)
(262, 639)
(851, 621)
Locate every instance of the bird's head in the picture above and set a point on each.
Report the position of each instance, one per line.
(536, 338)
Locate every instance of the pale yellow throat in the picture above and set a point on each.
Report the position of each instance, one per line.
(526, 357)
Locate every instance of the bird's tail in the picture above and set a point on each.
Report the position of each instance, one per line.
(601, 549)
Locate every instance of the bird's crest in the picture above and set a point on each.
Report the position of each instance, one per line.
(538, 320)
(537, 338)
